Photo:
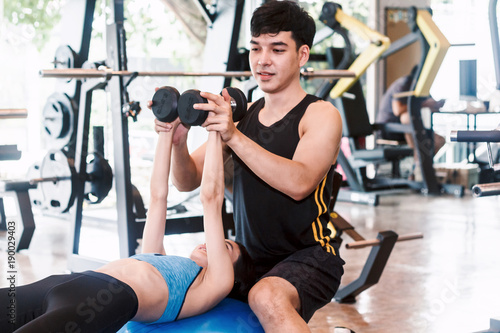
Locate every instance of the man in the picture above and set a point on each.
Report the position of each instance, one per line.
(394, 109)
(283, 151)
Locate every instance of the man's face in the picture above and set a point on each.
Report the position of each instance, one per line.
(275, 61)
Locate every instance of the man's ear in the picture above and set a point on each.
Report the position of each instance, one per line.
(303, 54)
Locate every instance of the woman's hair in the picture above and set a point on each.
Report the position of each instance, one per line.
(276, 16)
(244, 275)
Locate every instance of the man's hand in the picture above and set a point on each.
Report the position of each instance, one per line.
(220, 117)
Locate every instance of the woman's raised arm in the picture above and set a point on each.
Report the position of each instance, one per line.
(154, 230)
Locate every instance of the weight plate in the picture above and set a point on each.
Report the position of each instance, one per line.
(59, 120)
(240, 100)
(64, 57)
(165, 104)
(36, 195)
(58, 195)
(187, 113)
(100, 178)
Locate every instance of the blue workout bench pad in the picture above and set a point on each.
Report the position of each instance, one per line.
(228, 316)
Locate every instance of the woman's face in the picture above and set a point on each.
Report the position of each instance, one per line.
(199, 254)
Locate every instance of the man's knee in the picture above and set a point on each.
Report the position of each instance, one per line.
(260, 297)
(273, 293)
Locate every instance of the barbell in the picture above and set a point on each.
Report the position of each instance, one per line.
(81, 73)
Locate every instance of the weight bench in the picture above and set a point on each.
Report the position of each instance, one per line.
(20, 189)
(377, 259)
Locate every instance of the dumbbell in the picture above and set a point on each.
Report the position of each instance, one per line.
(167, 105)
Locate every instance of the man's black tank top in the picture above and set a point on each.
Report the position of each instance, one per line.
(269, 223)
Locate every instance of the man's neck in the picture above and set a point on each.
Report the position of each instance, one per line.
(277, 105)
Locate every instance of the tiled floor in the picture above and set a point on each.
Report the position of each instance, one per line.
(449, 281)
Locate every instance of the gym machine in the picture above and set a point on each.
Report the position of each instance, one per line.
(10, 152)
(381, 248)
(488, 189)
(130, 208)
(347, 95)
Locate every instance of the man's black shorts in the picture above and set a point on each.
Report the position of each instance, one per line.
(315, 274)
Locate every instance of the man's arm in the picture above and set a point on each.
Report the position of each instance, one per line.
(320, 134)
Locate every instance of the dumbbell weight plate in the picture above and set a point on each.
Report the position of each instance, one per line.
(165, 103)
(240, 107)
(187, 113)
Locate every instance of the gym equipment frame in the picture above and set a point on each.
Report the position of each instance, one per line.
(129, 205)
(434, 47)
(377, 259)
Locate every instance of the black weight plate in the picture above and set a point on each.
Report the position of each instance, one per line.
(165, 104)
(58, 196)
(187, 113)
(240, 100)
(59, 120)
(100, 179)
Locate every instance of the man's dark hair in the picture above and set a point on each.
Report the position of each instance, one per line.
(276, 16)
(244, 275)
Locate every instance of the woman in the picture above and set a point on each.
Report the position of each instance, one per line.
(150, 287)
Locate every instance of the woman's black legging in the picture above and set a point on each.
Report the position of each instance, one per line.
(80, 302)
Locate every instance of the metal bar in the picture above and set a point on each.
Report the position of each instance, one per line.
(475, 136)
(26, 214)
(207, 16)
(400, 44)
(483, 190)
(495, 41)
(81, 151)
(375, 242)
(78, 73)
(3, 218)
(49, 179)
(13, 113)
(123, 184)
(424, 146)
(372, 270)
